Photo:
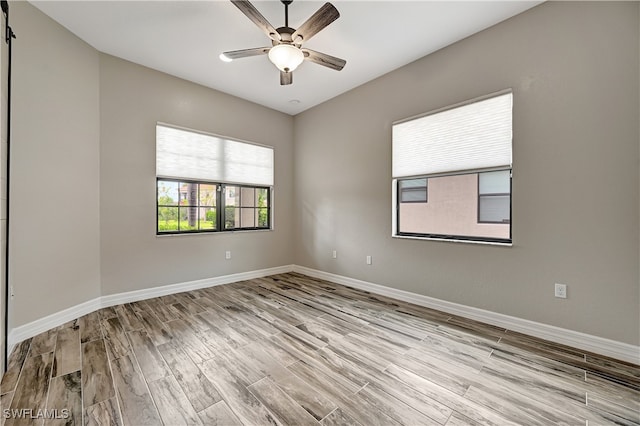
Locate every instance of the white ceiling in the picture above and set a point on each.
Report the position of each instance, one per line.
(184, 39)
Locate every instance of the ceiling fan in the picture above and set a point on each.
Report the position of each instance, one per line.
(286, 51)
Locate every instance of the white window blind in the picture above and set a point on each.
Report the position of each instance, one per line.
(469, 137)
(182, 154)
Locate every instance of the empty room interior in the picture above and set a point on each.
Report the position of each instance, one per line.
(433, 220)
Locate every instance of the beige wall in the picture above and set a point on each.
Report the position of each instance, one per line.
(573, 68)
(132, 100)
(55, 168)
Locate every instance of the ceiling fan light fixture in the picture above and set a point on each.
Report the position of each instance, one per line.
(225, 58)
(286, 57)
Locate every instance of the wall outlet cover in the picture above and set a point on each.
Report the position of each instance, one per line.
(561, 291)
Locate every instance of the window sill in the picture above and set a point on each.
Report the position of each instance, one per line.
(453, 240)
(237, 231)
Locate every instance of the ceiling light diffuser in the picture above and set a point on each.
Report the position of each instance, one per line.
(286, 57)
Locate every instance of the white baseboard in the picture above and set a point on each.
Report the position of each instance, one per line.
(611, 348)
(148, 293)
(587, 342)
(36, 327)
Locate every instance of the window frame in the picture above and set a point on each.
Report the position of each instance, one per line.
(219, 208)
(398, 176)
(223, 208)
(397, 233)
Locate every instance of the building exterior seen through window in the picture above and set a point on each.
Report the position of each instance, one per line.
(472, 205)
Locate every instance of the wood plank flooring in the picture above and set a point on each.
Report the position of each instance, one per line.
(294, 350)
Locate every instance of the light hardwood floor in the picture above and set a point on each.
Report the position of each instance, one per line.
(294, 350)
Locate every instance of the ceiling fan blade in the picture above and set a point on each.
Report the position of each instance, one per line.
(324, 59)
(286, 78)
(245, 53)
(323, 17)
(256, 17)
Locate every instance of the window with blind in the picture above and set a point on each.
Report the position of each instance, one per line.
(206, 183)
(462, 154)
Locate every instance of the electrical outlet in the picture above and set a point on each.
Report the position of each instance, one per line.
(561, 291)
(334, 254)
(227, 255)
(368, 260)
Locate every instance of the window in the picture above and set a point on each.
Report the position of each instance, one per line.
(246, 207)
(462, 154)
(186, 206)
(494, 197)
(413, 190)
(205, 183)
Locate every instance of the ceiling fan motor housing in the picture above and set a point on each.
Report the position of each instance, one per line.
(285, 36)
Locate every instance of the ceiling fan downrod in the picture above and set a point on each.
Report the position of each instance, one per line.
(286, 11)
